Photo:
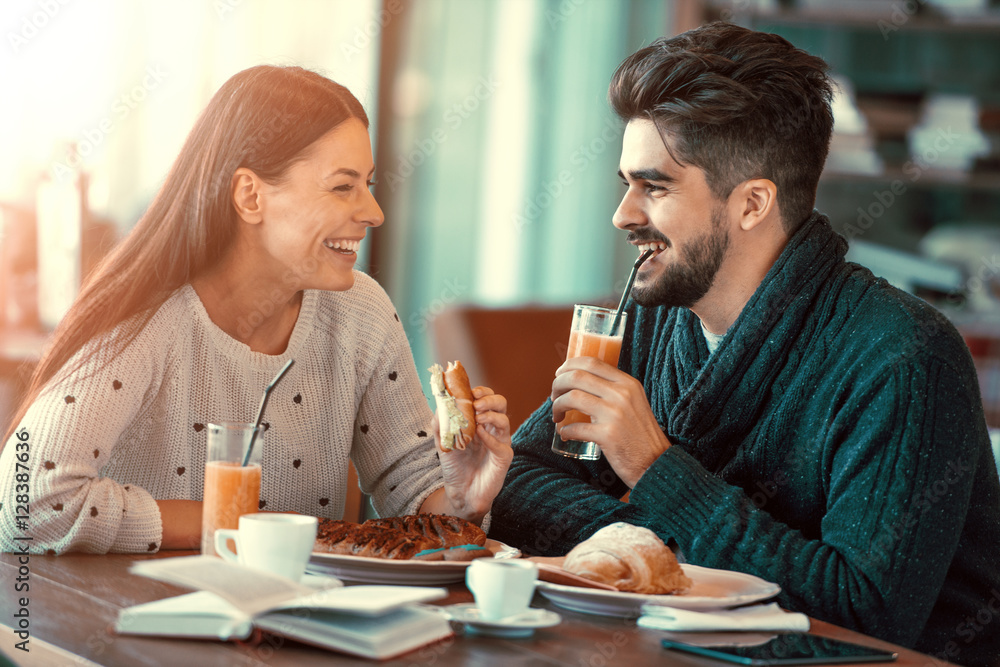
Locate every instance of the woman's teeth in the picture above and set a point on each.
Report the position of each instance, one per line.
(655, 247)
(343, 245)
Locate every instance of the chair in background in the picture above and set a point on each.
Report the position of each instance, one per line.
(514, 351)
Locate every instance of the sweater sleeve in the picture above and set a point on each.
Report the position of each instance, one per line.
(54, 462)
(899, 464)
(549, 503)
(393, 448)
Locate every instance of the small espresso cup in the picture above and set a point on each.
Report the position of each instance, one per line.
(502, 588)
(277, 543)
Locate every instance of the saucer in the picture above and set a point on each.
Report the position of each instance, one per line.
(522, 625)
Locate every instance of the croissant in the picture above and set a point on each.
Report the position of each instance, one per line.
(630, 558)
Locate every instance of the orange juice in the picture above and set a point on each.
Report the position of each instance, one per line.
(584, 344)
(231, 490)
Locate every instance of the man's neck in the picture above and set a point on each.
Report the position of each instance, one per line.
(738, 278)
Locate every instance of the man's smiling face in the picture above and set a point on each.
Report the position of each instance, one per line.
(669, 207)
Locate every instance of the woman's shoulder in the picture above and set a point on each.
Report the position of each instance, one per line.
(168, 320)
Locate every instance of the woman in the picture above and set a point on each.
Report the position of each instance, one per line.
(243, 260)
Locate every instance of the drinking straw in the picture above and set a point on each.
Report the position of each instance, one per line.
(628, 288)
(263, 404)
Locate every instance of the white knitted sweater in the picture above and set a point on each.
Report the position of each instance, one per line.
(106, 441)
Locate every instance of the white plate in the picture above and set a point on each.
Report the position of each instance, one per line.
(522, 625)
(415, 572)
(711, 589)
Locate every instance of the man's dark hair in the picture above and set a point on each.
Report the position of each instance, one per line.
(738, 104)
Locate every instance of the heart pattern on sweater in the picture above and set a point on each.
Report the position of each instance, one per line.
(117, 385)
(296, 463)
(97, 453)
(421, 434)
(364, 428)
(199, 428)
(297, 398)
(393, 376)
(70, 399)
(151, 547)
(49, 465)
(93, 511)
(262, 504)
(324, 502)
(58, 507)
(180, 470)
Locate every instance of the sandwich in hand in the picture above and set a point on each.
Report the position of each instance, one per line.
(453, 398)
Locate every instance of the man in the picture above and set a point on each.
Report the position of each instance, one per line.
(777, 411)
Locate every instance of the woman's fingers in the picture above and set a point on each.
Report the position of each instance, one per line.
(488, 400)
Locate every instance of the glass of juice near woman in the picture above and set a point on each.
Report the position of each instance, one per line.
(594, 333)
(232, 489)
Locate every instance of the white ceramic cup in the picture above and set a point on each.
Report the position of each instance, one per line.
(277, 543)
(502, 588)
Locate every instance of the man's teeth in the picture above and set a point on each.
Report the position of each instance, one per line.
(655, 247)
(343, 244)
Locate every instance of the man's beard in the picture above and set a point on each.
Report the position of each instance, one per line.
(684, 282)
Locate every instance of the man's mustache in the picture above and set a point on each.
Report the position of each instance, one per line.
(636, 237)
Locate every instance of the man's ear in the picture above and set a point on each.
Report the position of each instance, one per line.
(755, 201)
(246, 190)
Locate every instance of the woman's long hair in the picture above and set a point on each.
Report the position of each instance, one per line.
(262, 119)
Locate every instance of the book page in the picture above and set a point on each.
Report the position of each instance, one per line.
(249, 590)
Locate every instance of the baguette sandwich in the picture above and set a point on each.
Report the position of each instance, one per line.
(453, 399)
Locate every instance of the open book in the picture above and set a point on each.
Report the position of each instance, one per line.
(369, 621)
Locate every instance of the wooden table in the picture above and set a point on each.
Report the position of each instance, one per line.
(74, 600)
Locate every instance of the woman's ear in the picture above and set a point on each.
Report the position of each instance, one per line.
(246, 190)
(757, 199)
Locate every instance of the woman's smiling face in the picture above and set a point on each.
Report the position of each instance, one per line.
(312, 222)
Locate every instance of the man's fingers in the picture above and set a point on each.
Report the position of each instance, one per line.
(591, 365)
(575, 399)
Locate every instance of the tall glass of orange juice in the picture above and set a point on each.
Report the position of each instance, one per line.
(231, 488)
(590, 335)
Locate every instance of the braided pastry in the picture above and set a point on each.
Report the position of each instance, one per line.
(630, 558)
(398, 538)
(450, 531)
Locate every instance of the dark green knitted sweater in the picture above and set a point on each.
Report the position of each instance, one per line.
(834, 444)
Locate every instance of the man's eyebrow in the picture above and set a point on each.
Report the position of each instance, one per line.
(652, 174)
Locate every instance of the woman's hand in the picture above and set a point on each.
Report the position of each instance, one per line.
(473, 476)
